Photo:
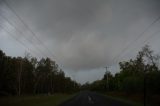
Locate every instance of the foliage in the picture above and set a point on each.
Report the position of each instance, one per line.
(132, 74)
(37, 100)
(21, 76)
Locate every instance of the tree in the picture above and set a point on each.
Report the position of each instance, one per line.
(21, 76)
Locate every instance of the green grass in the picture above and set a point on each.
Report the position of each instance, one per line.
(124, 100)
(39, 100)
(134, 100)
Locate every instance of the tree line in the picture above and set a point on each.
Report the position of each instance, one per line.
(137, 76)
(28, 76)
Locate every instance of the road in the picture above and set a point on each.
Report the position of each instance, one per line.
(92, 99)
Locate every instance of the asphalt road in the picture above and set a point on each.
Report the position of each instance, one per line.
(92, 99)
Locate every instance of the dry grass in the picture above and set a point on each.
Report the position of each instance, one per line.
(39, 100)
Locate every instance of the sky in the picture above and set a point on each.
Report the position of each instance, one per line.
(82, 36)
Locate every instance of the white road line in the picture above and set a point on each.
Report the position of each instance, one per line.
(90, 100)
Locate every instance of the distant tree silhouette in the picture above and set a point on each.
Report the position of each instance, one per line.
(136, 76)
(20, 76)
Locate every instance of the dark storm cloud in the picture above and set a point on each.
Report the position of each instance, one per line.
(71, 26)
(61, 18)
(87, 34)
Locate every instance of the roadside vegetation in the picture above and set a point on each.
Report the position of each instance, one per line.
(30, 76)
(138, 78)
(125, 99)
(134, 99)
(38, 100)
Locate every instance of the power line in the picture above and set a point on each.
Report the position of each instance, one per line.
(147, 39)
(18, 40)
(123, 50)
(21, 33)
(33, 33)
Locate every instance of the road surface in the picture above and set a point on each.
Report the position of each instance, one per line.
(92, 99)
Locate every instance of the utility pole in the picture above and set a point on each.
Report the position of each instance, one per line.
(19, 79)
(74, 81)
(145, 87)
(107, 85)
(51, 91)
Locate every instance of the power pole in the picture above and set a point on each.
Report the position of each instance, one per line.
(74, 81)
(19, 79)
(145, 91)
(107, 85)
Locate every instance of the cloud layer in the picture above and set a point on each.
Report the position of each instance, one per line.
(83, 34)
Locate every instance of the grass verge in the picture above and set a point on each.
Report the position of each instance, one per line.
(135, 100)
(39, 100)
(124, 100)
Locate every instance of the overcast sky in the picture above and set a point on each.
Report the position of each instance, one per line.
(83, 35)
